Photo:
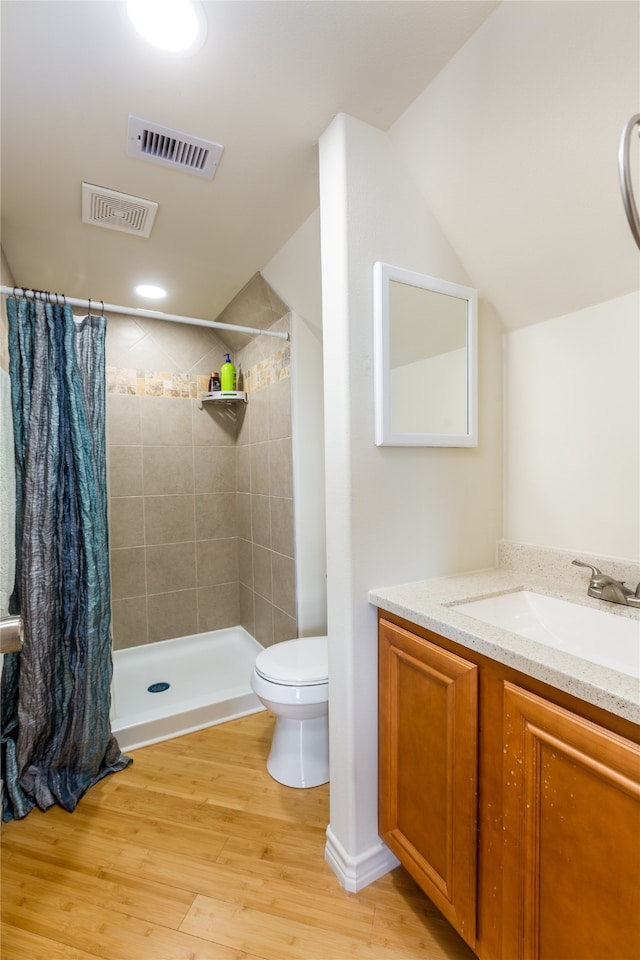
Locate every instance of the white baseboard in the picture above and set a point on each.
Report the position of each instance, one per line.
(355, 873)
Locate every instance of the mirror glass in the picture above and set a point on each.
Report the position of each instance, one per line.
(425, 360)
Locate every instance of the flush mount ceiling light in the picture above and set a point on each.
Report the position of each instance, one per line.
(150, 291)
(174, 25)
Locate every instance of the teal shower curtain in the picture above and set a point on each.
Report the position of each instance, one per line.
(56, 734)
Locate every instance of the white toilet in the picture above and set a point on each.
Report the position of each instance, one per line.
(291, 679)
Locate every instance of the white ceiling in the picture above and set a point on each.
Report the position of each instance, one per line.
(267, 82)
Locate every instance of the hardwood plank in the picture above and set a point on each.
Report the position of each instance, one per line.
(42, 880)
(323, 909)
(195, 853)
(15, 943)
(254, 931)
(104, 836)
(421, 927)
(297, 863)
(111, 935)
(198, 781)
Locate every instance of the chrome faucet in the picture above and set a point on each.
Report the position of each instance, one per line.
(604, 587)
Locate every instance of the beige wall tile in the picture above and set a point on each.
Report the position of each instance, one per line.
(123, 419)
(259, 404)
(218, 606)
(128, 574)
(165, 420)
(172, 615)
(280, 468)
(214, 425)
(263, 612)
(282, 538)
(167, 470)
(243, 468)
(284, 584)
(169, 519)
(260, 520)
(260, 468)
(215, 469)
(262, 571)
(146, 354)
(216, 561)
(201, 494)
(243, 507)
(247, 619)
(284, 627)
(245, 562)
(171, 566)
(125, 471)
(126, 522)
(215, 515)
(184, 344)
(123, 333)
(243, 435)
(279, 409)
(209, 362)
(129, 623)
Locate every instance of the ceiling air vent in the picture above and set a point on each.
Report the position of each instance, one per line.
(117, 211)
(172, 148)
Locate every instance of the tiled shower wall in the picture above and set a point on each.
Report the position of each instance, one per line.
(201, 504)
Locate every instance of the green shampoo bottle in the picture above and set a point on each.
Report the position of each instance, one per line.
(227, 374)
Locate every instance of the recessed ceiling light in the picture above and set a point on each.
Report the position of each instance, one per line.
(175, 25)
(150, 291)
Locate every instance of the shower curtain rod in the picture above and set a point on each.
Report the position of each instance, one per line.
(139, 312)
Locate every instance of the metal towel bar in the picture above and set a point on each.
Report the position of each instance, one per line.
(624, 172)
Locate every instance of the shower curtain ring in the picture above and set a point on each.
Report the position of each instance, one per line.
(102, 302)
(89, 306)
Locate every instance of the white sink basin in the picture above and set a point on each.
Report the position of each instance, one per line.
(603, 638)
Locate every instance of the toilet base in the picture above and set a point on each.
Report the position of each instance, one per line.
(299, 754)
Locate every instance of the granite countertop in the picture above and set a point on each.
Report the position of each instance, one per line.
(429, 603)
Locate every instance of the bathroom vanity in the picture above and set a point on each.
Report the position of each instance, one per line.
(509, 774)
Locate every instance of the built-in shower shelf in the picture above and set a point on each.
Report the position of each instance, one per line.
(224, 396)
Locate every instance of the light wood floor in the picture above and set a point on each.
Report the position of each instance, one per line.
(194, 853)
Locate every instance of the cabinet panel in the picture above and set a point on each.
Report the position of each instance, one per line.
(571, 835)
(428, 769)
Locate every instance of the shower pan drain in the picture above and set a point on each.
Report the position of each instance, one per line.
(158, 687)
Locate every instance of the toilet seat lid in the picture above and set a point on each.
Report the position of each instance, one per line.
(300, 662)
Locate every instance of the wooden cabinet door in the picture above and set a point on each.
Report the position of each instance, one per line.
(571, 835)
(428, 769)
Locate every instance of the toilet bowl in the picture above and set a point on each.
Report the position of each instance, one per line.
(291, 679)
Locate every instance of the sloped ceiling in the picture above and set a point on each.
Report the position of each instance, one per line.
(267, 82)
(514, 146)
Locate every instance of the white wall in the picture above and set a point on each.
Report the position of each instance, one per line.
(514, 147)
(393, 514)
(294, 273)
(572, 431)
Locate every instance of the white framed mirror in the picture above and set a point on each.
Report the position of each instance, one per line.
(425, 360)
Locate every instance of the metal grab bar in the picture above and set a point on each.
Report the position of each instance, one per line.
(624, 172)
(11, 634)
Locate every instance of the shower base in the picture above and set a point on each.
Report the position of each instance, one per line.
(198, 681)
